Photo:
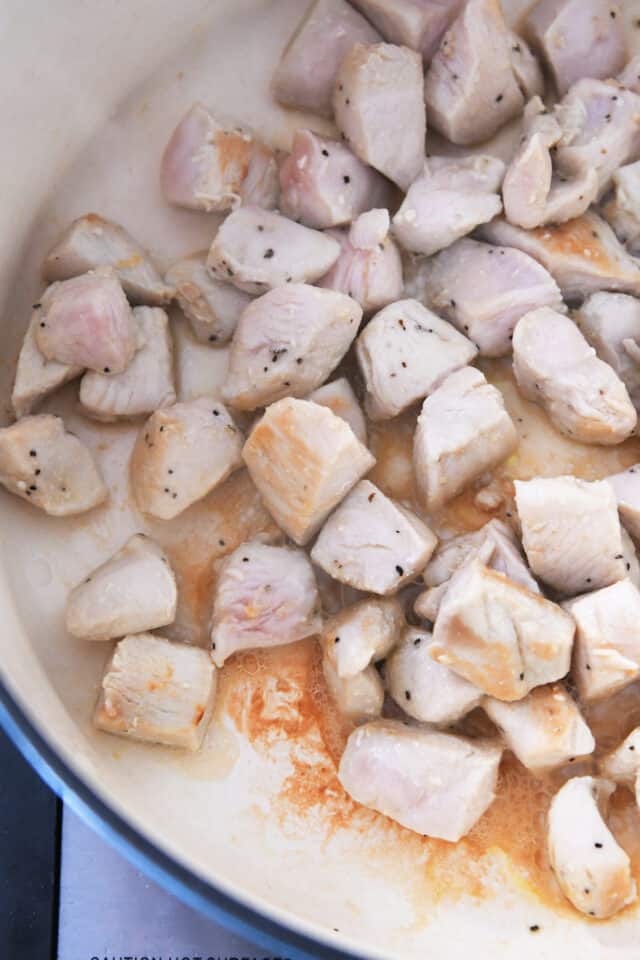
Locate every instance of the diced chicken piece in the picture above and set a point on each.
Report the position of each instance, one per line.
(157, 691)
(611, 324)
(601, 129)
(426, 690)
(545, 730)
(472, 87)
(622, 765)
(463, 431)
(147, 383)
(583, 395)
(593, 871)
(265, 596)
(626, 489)
(205, 167)
(448, 200)
(87, 322)
(134, 591)
(622, 209)
(339, 397)
(526, 68)
(287, 342)
(607, 648)
(419, 24)
(582, 255)
(405, 353)
(484, 290)
(532, 194)
(500, 636)
(433, 783)
(257, 249)
(200, 369)
(304, 460)
(211, 306)
(52, 469)
(571, 532)
(630, 75)
(182, 452)
(372, 543)
(361, 634)
(306, 75)
(358, 698)
(323, 184)
(379, 108)
(577, 38)
(369, 267)
(505, 555)
(36, 377)
(93, 241)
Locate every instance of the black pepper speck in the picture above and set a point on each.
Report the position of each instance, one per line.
(399, 570)
(269, 253)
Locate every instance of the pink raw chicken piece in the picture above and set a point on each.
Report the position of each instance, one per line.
(87, 322)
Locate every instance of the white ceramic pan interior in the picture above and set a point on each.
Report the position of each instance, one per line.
(91, 92)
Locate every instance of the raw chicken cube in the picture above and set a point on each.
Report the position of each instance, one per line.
(339, 397)
(484, 290)
(134, 591)
(622, 208)
(93, 241)
(611, 324)
(182, 452)
(257, 249)
(405, 353)
(622, 765)
(36, 377)
(545, 730)
(87, 322)
(303, 459)
(265, 596)
(212, 307)
(607, 648)
(362, 634)
(147, 383)
(287, 342)
(463, 431)
(306, 74)
(582, 255)
(358, 698)
(206, 167)
(157, 691)
(593, 871)
(379, 108)
(500, 636)
(451, 197)
(577, 38)
(52, 469)
(473, 84)
(583, 396)
(323, 184)
(571, 532)
(419, 24)
(369, 267)
(433, 783)
(626, 488)
(426, 690)
(372, 543)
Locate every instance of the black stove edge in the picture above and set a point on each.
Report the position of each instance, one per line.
(165, 871)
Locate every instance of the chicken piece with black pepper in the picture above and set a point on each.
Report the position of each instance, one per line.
(622, 765)
(257, 250)
(593, 871)
(36, 377)
(287, 342)
(42, 463)
(181, 454)
(265, 596)
(404, 354)
(611, 324)
(362, 634)
(212, 306)
(372, 543)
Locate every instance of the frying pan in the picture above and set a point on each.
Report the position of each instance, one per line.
(255, 829)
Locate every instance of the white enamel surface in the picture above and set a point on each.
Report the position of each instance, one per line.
(88, 138)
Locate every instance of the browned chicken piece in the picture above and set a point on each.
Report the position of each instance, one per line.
(303, 459)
